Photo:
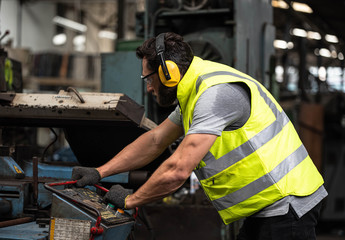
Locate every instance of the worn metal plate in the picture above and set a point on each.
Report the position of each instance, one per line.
(69, 229)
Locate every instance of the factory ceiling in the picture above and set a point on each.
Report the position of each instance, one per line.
(327, 17)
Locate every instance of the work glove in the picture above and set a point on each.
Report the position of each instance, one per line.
(85, 176)
(117, 196)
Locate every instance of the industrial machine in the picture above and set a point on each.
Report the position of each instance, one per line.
(90, 210)
(96, 126)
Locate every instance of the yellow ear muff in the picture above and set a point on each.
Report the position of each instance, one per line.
(174, 72)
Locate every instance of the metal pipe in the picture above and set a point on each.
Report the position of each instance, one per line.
(9, 195)
(15, 222)
(35, 179)
(19, 23)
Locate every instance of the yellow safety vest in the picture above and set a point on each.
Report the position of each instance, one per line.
(251, 167)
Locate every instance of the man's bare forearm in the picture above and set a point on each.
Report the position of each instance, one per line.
(174, 171)
(136, 155)
(143, 150)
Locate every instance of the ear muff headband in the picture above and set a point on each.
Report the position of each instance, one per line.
(168, 71)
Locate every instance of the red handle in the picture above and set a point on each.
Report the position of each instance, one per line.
(73, 182)
(62, 183)
(102, 188)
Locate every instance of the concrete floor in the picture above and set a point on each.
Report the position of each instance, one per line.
(330, 230)
(325, 237)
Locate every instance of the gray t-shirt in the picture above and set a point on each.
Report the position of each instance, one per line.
(221, 107)
(227, 107)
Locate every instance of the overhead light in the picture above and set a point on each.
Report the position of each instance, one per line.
(334, 54)
(107, 34)
(301, 7)
(314, 35)
(340, 56)
(331, 38)
(69, 24)
(279, 73)
(79, 42)
(59, 39)
(280, 4)
(290, 45)
(298, 32)
(280, 44)
(324, 52)
(322, 73)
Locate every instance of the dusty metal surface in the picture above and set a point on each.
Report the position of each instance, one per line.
(66, 99)
(71, 108)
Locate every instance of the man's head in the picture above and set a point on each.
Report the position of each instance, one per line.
(177, 51)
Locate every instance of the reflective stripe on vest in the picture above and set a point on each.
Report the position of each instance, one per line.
(215, 166)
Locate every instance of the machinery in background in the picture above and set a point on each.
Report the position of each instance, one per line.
(239, 33)
(96, 126)
(332, 157)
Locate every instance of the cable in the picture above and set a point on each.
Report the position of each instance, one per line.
(50, 144)
(158, 12)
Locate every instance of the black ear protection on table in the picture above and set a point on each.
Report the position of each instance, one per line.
(168, 71)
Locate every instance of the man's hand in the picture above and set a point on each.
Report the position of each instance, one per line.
(85, 176)
(117, 196)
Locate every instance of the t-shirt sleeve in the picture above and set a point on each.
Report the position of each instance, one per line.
(176, 117)
(221, 107)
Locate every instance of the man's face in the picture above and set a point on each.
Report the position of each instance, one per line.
(165, 96)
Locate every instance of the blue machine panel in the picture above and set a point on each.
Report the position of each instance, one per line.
(65, 173)
(121, 74)
(9, 168)
(25, 231)
(14, 193)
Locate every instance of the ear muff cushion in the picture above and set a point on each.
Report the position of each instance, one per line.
(174, 74)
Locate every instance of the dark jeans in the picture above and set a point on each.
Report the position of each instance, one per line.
(286, 227)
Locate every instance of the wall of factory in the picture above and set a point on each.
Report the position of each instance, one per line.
(35, 21)
(37, 26)
(8, 19)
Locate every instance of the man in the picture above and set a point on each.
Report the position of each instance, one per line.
(238, 140)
